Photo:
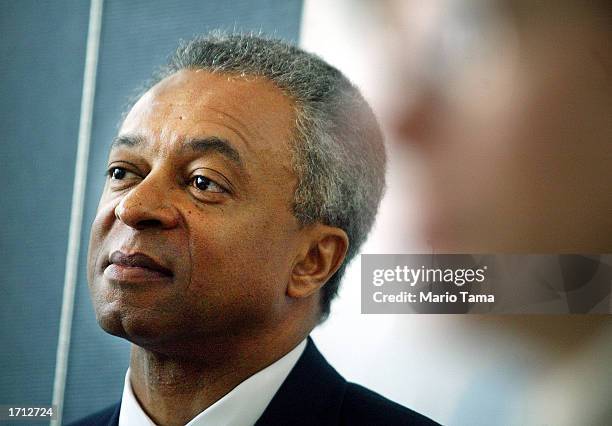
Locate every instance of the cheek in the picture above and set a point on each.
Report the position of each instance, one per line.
(100, 228)
(478, 167)
(241, 260)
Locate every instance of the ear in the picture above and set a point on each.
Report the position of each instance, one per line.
(324, 251)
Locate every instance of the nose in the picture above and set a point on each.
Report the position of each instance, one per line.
(147, 205)
(414, 121)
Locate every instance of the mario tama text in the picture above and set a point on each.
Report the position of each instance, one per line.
(429, 276)
(421, 284)
(486, 283)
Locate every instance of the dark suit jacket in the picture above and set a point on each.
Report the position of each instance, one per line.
(313, 394)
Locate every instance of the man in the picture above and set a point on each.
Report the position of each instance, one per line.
(239, 186)
(508, 110)
(505, 105)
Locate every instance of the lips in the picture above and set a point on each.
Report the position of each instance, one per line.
(135, 267)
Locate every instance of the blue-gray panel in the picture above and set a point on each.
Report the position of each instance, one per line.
(42, 51)
(137, 36)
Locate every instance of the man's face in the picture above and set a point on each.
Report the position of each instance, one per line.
(512, 123)
(200, 181)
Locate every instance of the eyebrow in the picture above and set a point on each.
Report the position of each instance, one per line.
(201, 145)
(127, 141)
(214, 144)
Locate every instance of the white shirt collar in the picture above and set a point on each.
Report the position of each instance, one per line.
(242, 406)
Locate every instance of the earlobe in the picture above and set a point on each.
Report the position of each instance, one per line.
(321, 258)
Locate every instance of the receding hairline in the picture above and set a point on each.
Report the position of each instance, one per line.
(264, 82)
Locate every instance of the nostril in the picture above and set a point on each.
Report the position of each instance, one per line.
(149, 223)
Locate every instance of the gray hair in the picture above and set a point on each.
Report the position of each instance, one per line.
(338, 151)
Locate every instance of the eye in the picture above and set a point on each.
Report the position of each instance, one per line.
(117, 173)
(121, 178)
(203, 183)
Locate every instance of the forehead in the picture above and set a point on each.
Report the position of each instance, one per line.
(251, 112)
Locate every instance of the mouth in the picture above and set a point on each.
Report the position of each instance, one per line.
(136, 267)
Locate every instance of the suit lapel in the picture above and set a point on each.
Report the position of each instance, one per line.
(311, 394)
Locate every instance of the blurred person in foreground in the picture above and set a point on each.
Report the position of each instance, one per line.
(239, 185)
(509, 107)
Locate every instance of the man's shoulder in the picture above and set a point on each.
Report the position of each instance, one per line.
(314, 393)
(105, 417)
(361, 406)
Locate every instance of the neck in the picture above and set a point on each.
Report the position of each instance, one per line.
(172, 390)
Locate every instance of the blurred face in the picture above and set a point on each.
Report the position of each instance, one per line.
(194, 235)
(512, 122)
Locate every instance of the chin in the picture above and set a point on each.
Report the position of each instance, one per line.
(137, 327)
(110, 321)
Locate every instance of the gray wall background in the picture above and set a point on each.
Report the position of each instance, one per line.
(42, 48)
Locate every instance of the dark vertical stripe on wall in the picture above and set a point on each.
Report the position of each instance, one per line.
(42, 52)
(137, 36)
